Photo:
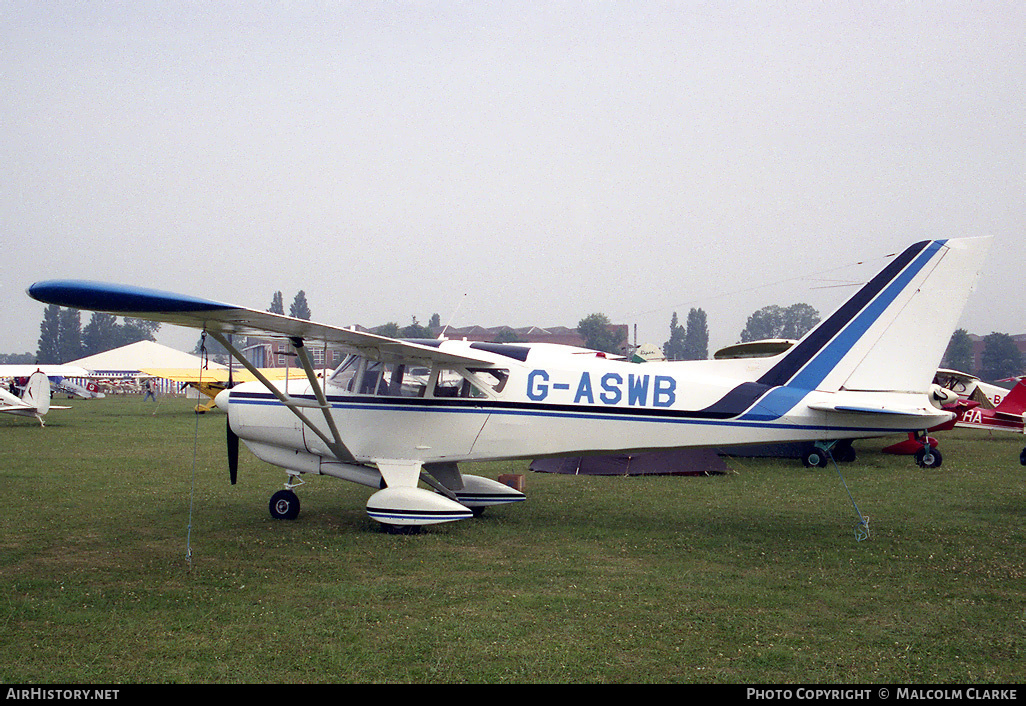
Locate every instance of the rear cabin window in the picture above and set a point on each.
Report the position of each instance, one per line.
(391, 380)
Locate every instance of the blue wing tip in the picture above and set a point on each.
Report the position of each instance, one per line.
(116, 298)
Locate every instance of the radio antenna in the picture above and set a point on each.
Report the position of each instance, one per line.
(441, 333)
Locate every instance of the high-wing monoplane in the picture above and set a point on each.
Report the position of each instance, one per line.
(866, 370)
(34, 400)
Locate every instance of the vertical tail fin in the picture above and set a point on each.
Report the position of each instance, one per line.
(891, 335)
(1015, 401)
(37, 393)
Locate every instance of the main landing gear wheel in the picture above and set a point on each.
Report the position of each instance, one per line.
(814, 458)
(1022, 457)
(928, 457)
(284, 505)
(844, 452)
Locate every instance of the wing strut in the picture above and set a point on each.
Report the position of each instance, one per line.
(337, 447)
(318, 390)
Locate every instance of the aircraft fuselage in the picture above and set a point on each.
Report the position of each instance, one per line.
(536, 401)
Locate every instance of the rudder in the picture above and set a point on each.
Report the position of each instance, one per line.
(37, 392)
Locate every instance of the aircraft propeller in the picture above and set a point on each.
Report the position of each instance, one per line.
(233, 438)
(233, 451)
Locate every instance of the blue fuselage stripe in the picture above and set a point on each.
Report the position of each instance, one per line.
(832, 354)
(780, 400)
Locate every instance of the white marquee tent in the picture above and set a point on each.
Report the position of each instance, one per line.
(130, 359)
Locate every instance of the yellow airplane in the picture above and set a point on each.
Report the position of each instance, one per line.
(210, 382)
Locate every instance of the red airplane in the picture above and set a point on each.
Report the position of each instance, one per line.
(974, 412)
(1007, 416)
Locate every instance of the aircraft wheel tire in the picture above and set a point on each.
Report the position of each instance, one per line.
(814, 459)
(400, 529)
(1022, 457)
(928, 458)
(845, 453)
(284, 505)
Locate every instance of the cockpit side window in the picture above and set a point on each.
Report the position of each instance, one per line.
(392, 380)
(492, 377)
(469, 384)
(361, 376)
(449, 384)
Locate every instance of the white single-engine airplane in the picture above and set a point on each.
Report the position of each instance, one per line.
(34, 400)
(865, 370)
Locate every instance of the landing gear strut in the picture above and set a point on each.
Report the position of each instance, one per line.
(928, 456)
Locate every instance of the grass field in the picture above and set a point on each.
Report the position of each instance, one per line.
(750, 577)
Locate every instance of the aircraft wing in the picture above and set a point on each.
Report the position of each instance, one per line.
(193, 312)
(188, 374)
(956, 375)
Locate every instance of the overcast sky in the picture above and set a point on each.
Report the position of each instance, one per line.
(506, 163)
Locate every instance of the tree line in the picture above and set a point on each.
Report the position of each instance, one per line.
(999, 360)
(690, 341)
(62, 337)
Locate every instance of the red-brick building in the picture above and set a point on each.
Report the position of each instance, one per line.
(979, 345)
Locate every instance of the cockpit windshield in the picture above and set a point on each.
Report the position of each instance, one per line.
(345, 374)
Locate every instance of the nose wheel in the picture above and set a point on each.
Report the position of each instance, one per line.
(284, 505)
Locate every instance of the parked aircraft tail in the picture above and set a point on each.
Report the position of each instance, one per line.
(891, 335)
(37, 393)
(1014, 403)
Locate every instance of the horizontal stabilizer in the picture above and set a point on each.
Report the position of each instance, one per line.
(861, 410)
(923, 414)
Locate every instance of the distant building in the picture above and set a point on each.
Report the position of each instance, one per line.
(979, 345)
(277, 353)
